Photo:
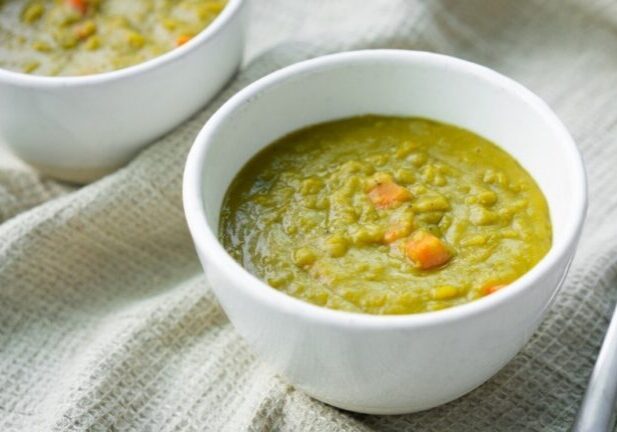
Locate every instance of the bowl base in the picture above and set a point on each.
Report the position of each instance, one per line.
(73, 175)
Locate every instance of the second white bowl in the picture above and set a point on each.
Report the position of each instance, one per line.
(80, 128)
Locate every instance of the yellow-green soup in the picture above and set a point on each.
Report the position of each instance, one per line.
(81, 37)
(385, 215)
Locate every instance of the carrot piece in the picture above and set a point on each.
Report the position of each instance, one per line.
(182, 39)
(426, 251)
(388, 194)
(490, 289)
(80, 5)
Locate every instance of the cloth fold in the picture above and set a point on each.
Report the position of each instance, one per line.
(106, 322)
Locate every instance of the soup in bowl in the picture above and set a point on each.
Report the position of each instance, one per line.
(385, 215)
(83, 37)
(370, 159)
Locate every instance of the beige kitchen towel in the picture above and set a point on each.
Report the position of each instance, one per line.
(106, 322)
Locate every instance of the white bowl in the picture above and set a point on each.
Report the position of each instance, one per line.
(80, 128)
(385, 364)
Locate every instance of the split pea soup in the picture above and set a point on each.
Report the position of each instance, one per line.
(82, 37)
(385, 215)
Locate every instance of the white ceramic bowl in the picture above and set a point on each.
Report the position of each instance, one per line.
(80, 128)
(385, 364)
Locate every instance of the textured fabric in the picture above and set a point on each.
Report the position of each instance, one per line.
(106, 322)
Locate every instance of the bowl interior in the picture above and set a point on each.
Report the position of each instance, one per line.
(404, 84)
(24, 79)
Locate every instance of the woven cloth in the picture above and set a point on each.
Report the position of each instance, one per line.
(106, 322)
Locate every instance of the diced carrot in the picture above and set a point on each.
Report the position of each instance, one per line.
(490, 289)
(80, 5)
(388, 194)
(426, 251)
(182, 39)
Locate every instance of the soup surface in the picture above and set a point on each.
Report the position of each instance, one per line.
(385, 215)
(82, 37)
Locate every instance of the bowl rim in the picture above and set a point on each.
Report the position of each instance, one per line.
(215, 254)
(230, 10)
